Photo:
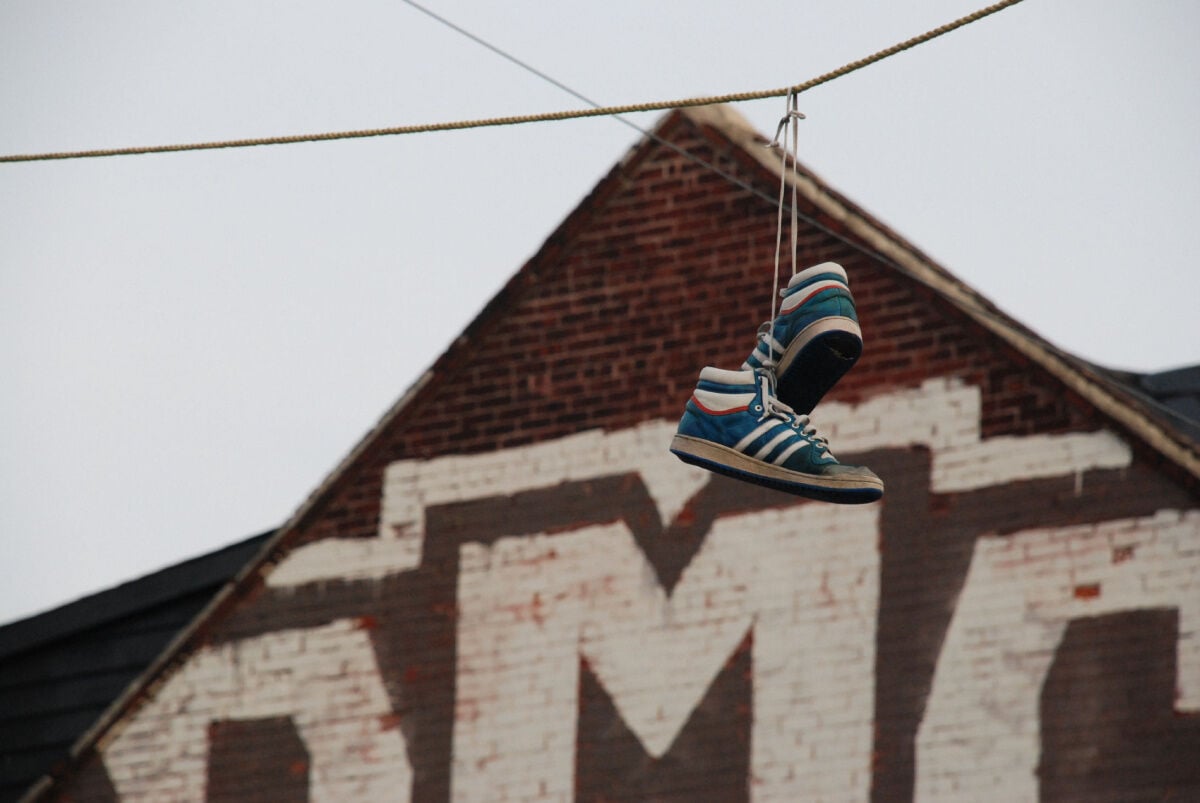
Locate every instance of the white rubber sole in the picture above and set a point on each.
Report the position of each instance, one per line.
(824, 326)
(816, 359)
(725, 460)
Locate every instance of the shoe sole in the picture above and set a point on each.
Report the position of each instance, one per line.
(825, 350)
(732, 463)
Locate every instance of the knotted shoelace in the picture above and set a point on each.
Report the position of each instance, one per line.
(774, 408)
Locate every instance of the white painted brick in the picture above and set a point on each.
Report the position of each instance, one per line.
(942, 414)
(655, 655)
(1006, 627)
(804, 581)
(334, 702)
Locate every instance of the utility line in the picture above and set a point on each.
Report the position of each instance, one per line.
(576, 94)
(852, 243)
(501, 53)
(527, 67)
(692, 157)
(595, 111)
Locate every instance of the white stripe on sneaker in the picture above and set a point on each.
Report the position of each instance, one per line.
(771, 444)
(764, 353)
(756, 433)
(771, 342)
(788, 452)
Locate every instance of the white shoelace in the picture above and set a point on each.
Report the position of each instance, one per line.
(789, 124)
(774, 408)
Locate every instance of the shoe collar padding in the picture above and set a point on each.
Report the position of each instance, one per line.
(722, 376)
(817, 270)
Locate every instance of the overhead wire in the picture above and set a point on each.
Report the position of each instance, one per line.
(592, 111)
(792, 118)
(576, 94)
(599, 110)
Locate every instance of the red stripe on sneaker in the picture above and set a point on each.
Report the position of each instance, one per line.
(788, 306)
(741, 409)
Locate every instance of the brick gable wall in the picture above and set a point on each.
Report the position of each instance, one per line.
(515, 593)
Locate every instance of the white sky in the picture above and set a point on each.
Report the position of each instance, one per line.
(189, 343)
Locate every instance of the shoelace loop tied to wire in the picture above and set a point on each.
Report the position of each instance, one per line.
(789, 122)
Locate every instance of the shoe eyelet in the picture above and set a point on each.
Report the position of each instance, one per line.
(758, 408)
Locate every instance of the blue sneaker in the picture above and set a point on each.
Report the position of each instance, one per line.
(734, 425)
(815, 339)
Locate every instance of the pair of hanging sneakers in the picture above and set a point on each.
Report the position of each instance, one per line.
(753, 424)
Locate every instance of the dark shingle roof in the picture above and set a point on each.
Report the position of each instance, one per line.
(61, 669)
(1173, 396)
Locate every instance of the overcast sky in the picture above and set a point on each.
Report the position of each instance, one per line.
(189, 343)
